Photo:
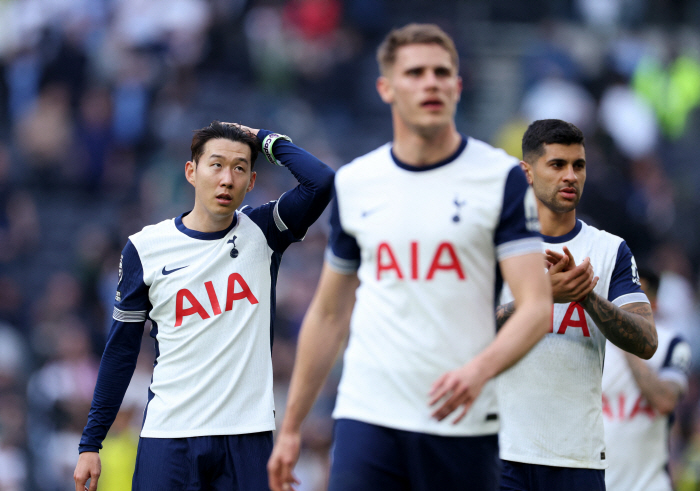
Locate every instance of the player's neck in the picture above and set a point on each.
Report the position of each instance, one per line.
(555, 224)
(201, 221)
(418, 150)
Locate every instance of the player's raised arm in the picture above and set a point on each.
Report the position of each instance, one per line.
(322, 335)
(301, 206)
(524, 328)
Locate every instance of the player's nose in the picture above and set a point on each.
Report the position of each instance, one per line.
(226, 178)
(570, 175)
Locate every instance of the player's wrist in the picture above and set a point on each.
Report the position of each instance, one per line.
(267, 146)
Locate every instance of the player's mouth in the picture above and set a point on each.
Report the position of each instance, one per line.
(569, 193)
(432, 104)
(224, 199)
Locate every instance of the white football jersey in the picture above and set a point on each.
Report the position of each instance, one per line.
(550, 400)
(425, 243)
(635, 433)
(211, 315)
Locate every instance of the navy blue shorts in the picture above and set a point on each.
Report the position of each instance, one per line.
(517, 476)
(230, 462)
(368, 457)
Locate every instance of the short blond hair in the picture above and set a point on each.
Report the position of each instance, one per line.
(413, 34)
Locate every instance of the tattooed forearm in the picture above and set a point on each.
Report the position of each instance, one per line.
(630, 328)
(503, 313)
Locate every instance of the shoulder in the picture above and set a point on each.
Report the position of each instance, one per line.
(374, 161)
(601, 237)
(151, 236)
(498, 160)
(155, 230)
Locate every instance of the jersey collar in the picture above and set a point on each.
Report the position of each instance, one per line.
(204, 235)
(449, 159)
(566, 237)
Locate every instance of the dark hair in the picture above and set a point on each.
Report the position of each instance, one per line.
(413, 34)
(229, 131)
(653, 281)
(546, 131)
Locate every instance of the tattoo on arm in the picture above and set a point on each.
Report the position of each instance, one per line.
(631, 329)
(503, 313)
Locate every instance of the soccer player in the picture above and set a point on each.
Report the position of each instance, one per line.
(419, 228)
(206, 280)
(638, 402)
(552, 423)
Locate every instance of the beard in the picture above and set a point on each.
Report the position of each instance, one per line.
(555, 203)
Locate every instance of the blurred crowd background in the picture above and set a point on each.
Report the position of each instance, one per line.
(98, 100)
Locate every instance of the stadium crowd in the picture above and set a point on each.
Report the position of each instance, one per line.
(98, 99)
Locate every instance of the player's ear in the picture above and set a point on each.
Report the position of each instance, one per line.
(251, 184)
(385, 91)
(527, 169)
(190, 168)
(460, 85)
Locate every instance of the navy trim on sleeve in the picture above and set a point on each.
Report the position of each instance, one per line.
(300, 207)
(341, 244)
(513, 223)
(669, 354)
(624, 279)
(132, 292)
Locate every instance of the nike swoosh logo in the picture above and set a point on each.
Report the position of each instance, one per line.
(165, 272)
(371, 211)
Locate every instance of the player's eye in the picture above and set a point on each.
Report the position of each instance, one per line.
(443, 72)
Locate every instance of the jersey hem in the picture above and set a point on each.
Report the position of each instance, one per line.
(207, 432)
(573, 464)
(486, 429)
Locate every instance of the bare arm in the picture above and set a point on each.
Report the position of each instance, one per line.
(663, 395)
(630, 327)
(503, 313)
(525, 327)
(569, 282)
(323, 332)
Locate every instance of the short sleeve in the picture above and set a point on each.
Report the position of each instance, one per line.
(676, 366)
(131, 303)
(625, 287)
(518, 228)
(343, 252)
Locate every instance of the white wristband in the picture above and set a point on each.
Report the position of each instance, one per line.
(267, 146)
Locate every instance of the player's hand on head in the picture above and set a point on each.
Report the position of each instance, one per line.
(455, 389)
(253, 131)
(282, 461)
(89, 467)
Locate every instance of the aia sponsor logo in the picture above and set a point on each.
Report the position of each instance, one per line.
(621, 409)
(444, 260)
(569, 321)
(235, 282)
